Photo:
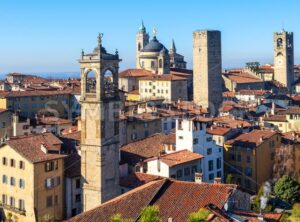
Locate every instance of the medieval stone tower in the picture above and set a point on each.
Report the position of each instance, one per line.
(100, 129)
(284, 58)
(142, 39)
(207, 68)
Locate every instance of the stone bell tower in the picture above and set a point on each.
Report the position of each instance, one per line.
(284, 58)
(142, 39)
(100, 127)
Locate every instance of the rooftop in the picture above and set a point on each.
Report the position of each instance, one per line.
(253, 138)
(169, 195)
(30, 146)
(177, 158)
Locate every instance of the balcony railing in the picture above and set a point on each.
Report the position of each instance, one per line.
(13, 209)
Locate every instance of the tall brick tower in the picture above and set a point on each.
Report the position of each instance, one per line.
(284, 58)
(207, 67)
(100, 126)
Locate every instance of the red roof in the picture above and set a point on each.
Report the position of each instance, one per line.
(177, 158)
(242, 77)
(30, 146)
(176, 199)
(134, 73)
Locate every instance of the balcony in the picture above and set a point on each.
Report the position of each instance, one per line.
(13, 209)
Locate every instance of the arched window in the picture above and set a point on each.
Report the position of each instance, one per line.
(109, 86)
(91, 82)
(279, 42)
(160, 63)
(139, 46)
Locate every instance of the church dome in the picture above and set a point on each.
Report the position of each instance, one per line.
(153, 46)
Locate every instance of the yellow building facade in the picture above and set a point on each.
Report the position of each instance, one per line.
(31, 188)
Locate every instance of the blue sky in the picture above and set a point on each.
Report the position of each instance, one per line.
(48, 35)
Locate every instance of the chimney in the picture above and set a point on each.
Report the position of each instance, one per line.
(217, 180)
(198, 177)
(170, 219)
(273, 108)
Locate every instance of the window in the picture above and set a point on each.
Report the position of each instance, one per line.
(248, 159)
(78, 198)
(219, 174)
(22, 183)
(49, 201)
(133, 136)
(219, 163)
(211, 176)
(146, 133)
(180, 137)
(21, 165)
(12, 162)
(210, 165)
(195, 141)
(179, 173)
(146, 125)
(4, 199)
(179, 125)
(152, 64)
(77, 183)
(239, 157)
(187, 171)
(165, 126)
(194, 169)
(12, 201)
(248, 171)
(56, 200)
(21, 205)
(208, 139)
(220, 150)
(209, 151)
(4, 179)
(4, 161)
(51, 165)
(12, 181)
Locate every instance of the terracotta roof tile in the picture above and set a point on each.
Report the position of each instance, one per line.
(217, 130)
(254, 138)
(134, 73)
(30, 146)
(142, 149)
(137, 179)
(169, 195)
(177, 158)
(242, 77)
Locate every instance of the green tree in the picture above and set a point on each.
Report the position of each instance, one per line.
(229, 179)
(287, 189)
(199, 216)
(296, 212)
(118, 218)
(150, 214)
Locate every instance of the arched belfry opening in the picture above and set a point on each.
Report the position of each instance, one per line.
(91, 82)
(99, 73)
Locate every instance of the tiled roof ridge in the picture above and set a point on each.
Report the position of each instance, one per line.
(157, 193)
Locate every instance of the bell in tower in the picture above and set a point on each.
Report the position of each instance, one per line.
(100, 126)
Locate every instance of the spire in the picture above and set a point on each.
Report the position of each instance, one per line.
(173, 47)
(142, 28)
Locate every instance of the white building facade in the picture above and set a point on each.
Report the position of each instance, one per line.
(191, 135)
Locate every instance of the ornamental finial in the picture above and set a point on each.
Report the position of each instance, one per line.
(154, 32)
(100, 36)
